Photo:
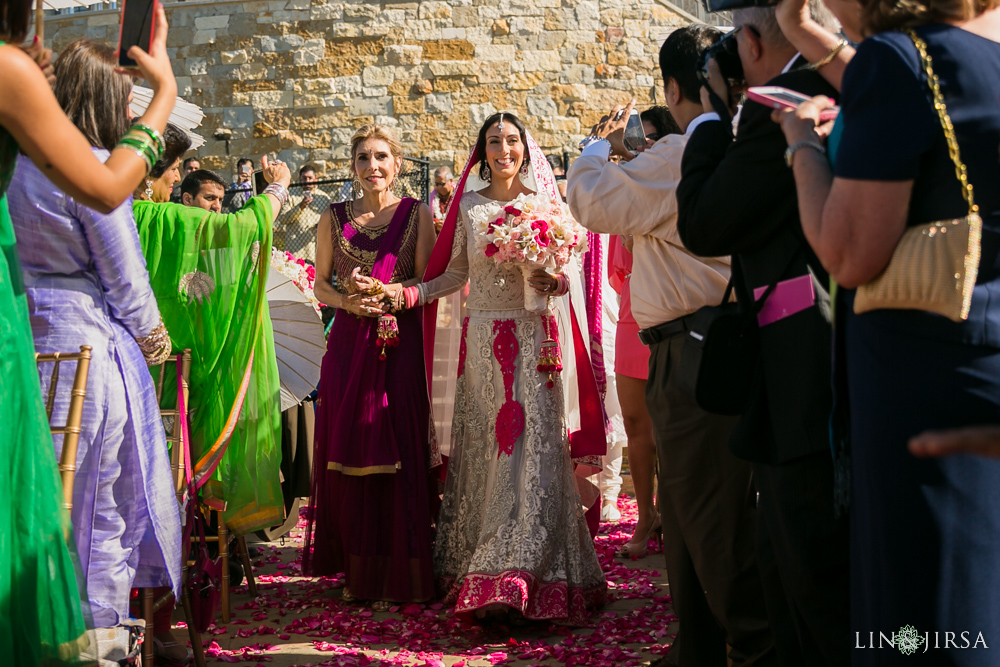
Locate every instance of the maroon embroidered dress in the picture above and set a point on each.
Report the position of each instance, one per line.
(371, 502)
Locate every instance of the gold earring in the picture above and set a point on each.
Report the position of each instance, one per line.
(148, 192)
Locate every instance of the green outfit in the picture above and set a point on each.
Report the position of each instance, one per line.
(209, 274)
(41, 622)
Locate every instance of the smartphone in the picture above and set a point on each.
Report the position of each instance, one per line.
(635, 137)
(259, 182)
(137, 27)
(777, 97)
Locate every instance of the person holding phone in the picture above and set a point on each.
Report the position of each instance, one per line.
(41, 616)
(704, 507)
(242, 188)
(737, 197)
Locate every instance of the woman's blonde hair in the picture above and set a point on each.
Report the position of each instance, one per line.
(881, 15)
(376, 131)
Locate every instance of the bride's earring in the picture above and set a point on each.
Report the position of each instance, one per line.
(148, 192)
(524, 168)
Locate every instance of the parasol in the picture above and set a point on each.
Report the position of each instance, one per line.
(185, 115)
(299, 342)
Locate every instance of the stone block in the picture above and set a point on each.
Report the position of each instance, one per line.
(587, 10)
(432, 9)
(614, 35)
(448, 49)
(332, 12)
(374, 91)
(493, 72)
(545, 61)
(465, 17)
(453, 68)
(552, 40)
(541, 106)
(612, 17)
(524, 80)
(203, 37)
(272, 99)
(403, 54)
(478, 113)
(377, 76)
(423, 87)
(590, 54)
(617, 58)
(494, 53)
(233, 57)
(354, 12)
(298, 4)
(454, 33)
(577, 74)
(211, 22)
(439, 103)
(281, 43)
(638, 30)
(405, 105)
(311, 52)
(111, 18)
(374, 106)
(196, 66)
(500, 27)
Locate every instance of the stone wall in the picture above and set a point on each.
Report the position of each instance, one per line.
(296, 77)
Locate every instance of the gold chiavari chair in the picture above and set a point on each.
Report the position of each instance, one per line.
(74, 418)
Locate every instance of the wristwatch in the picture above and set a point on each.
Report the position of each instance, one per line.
(791, 150)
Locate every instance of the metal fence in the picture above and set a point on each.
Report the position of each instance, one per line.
(295, 228)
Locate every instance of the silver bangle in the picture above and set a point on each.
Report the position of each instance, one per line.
(280, 192)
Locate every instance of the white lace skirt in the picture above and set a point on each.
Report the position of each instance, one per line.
(511, 529)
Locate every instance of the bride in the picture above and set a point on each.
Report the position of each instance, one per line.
(511, 534)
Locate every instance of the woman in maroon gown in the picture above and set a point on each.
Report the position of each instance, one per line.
(371, 504)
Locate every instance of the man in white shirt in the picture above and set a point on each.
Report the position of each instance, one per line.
(705, 493)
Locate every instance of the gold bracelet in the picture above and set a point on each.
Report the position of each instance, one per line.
(155, 346)
(377, 288)
(828, 58)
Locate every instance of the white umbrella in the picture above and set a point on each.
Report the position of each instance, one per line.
(185, 115)
(42, 5)
(299, 340)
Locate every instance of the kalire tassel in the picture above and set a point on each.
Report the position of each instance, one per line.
(549, 357)
(388, 334)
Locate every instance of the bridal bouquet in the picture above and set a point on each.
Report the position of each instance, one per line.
(531, 232)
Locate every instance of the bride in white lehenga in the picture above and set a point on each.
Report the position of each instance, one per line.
(511, 532)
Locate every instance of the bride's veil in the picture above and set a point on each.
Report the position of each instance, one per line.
(443, 321)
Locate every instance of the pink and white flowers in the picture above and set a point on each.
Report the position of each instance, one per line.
(532, 230)
(298, 271)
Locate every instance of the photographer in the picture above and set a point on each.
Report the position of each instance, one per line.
(705, 494)
(738, 198)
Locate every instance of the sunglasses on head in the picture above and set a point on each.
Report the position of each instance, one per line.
(653, 136)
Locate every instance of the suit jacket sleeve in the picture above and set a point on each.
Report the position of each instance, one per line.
(735, 195)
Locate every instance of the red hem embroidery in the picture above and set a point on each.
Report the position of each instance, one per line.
(523, 591)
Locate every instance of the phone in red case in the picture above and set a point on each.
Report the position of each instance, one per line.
(138, 25)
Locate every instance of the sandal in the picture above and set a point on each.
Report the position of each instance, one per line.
(347, 597)
(381, 605)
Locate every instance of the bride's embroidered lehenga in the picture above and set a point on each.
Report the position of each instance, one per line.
(511, 529)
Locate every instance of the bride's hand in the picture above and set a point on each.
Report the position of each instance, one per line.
(357, 283)
(543, 283)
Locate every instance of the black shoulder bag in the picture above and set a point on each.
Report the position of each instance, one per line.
(721, 349)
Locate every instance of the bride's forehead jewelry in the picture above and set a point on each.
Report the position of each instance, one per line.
(500, 123)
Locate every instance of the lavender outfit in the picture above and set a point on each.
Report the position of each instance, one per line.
(86, 282)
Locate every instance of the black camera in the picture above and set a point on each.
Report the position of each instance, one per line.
(726, 54)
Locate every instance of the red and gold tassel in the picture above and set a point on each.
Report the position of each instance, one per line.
(388, 334)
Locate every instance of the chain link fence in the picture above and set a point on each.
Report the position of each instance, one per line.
(295, 228)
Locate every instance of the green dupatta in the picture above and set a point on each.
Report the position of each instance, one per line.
(209, 274)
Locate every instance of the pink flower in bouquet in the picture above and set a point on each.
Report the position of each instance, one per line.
(510, 210)
(562, 255)
(491, 250)
(542, 227)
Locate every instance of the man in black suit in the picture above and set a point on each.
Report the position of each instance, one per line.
(738, 198)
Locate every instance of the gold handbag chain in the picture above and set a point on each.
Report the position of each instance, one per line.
(942, 112)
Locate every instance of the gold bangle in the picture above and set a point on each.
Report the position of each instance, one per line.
(828, 58)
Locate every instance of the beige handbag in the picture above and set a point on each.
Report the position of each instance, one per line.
(934, 266)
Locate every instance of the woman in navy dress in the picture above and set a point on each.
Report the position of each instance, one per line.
(925, 532)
